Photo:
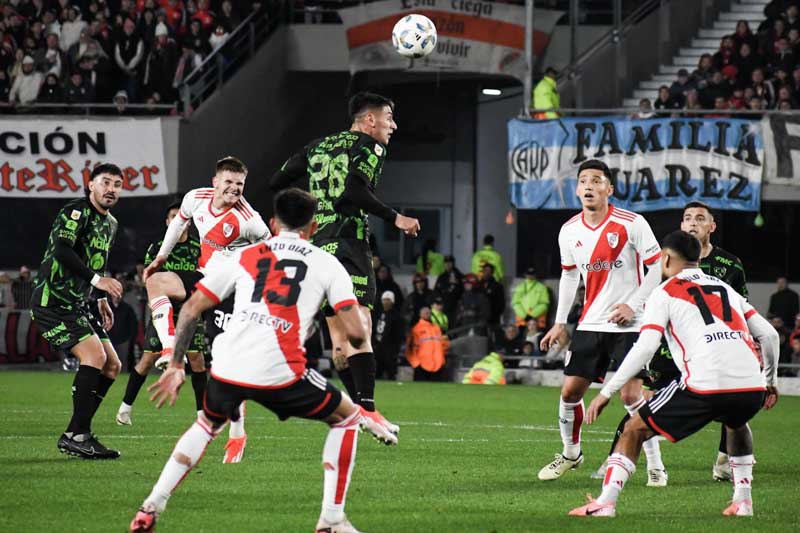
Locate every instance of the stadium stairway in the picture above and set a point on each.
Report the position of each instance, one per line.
(706, 42)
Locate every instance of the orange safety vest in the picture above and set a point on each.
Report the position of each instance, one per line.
(426, 346)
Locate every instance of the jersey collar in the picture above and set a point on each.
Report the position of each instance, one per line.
(608, 215)
(284, 234)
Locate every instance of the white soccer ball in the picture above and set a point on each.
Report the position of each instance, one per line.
(414, 36)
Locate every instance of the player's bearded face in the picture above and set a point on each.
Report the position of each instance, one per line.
(105, 190)
(698, 222)
(228, 186)
(593, 189)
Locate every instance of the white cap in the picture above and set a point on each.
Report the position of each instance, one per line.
(28, 60)
(161, 29)
(387, 295)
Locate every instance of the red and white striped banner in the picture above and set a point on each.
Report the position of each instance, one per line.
(473, 36)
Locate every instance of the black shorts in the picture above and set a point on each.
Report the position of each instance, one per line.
(309, 397)
(677, 413)
(591, 353)
(356, 258)
(153, 344)
(662, 369)
(217, 319)
(189, 280)
(63, 328)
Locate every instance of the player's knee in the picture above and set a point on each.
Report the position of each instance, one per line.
(630, 397)
(112, 368)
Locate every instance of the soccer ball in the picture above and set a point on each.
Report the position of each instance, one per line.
(414, 36)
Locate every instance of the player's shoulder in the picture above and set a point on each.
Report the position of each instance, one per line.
(724, 256)
(572, 223)
(201, 193)
(370, 144)
(77, 207)
(112, 219)
(625, 217)
(244, 209)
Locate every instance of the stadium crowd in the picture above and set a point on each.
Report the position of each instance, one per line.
(104, 51)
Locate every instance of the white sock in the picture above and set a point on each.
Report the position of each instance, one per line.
(570, 420)
(338, 458)
(237, 428)
(652, 449)
(742, 468)
(619, 471)
(163, 321)
(125, 408)
(193, 445)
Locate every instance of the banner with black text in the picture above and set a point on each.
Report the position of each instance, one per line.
(655, 163)
(782, 157)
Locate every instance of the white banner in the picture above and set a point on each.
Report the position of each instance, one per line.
(52, 158)
(473, 36)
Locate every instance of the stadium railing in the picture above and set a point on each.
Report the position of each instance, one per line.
(108, 110)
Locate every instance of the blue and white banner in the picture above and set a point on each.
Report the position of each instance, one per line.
(655, 163)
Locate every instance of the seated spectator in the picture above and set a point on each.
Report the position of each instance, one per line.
(228, 16)
(784, 105)
(737, 100)
(426, 349)
(692, 101)
(438, 315)
(26, 86)
(785, 95)
(790, 17)
(198, 39)
(531, 300)
(726, 55)
(717, 86)
(731, 75)
(532, 332)
(487, 371)
(121, 103)
(721, 108)
(794, 358)
(51, 60)
(51, 91)
(703, 72)
(419, 297)
(665, 102)
(755, 104)
(794, 41)
(218, 38)
(495, 292)
(6, 294)
(510, 342)
(783, 56)
(5, 88)
(449, 286)
(430, 261)
(743, 35)
(473, 307)
(747, 62)
(78, 90)
(147, 27)
(763, 88)
(678, 89)
(388, 334)
(645, 110)
(204, 15)
(78, 49)
(385, 282)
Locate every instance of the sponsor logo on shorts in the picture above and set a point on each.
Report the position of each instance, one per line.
(49, 334)
(62, 339)
(83, 322)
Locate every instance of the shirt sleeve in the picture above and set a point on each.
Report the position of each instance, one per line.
(220, 282)
(339, 289)
(567, 261)
(257, 230)
(70, 224)
(367, 160)
(293, 170)
(738, 279)
(656, 311)
(644, 242)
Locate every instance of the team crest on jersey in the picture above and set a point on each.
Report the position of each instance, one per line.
(378, 150)
(227, 229)
(720, 272)
(613, 239)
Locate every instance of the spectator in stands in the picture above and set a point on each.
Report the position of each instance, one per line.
(129, 53)
(419, 297)
(449, 286)
(26, 85)
(487, 371)
(703, 72)
(72, 27)
(488, 255)
(545, 96)
(430, 261)
(388, 334)
(187, 63)
(147, 27)
(79, 48)
(473, 306)
(645, 110)
(5, 89)
(794, 359)
(747, 62)
(78, 90)
(531, 300)
(785, 96)
(721, 108)
(532, 332)
(510, 341)
(770, 38)
(665, 102)
(495, 292)
(384, 281)
(204, 15)
(717, 86)
(438, 315)
(218, 38)
(160, 66)
(726, 55)
(783, 303)
(737, 100)
(228, 16)
(6, 293)
(198, 39)
(763, 88)
(790, 17)
(121, 104)
(783, 56)
(426, 348)
(692, 101)
(794, 41)
(22, 288)
(755, 104)
(51, 60)
(795, 334)
(16, 68)
(51, 92)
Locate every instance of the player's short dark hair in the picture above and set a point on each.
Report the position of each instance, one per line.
(701, 205)
(363, 101)
(105, 168)
(170, 207)
(294, 207)
(684, 244)
(488, 239)
(595, 164)
(231, 164)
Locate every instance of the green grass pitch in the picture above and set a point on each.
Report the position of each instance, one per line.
(467, 462)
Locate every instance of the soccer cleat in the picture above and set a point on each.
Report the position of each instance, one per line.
(368, 423)
(124, 418)
(657, 478)
(378, 418)
(722, 469)
(144, 521)
(592, 508)
(234, 449)
(740, 508)
(343, 526)
(600, 473)
(559, 467)
(89, 448)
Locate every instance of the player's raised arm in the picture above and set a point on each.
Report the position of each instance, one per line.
(171, 237)
(293, 173)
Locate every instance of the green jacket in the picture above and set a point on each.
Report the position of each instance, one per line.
(530, 299)
(435, 264)
(485, 255)
(440, 319)
(487, 371)
(545, 96)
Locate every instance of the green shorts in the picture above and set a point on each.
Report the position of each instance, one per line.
(356, 258)
(63, 327)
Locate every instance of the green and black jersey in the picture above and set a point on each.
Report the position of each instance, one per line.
(727, 267)
(183, 257)
(89, 234)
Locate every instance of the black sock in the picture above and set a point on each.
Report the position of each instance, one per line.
(135, 382)
(347, 380)
(83, 389)
(618, 434)
(723, 440)
(103, 384)
(362, 368)
(199, 385)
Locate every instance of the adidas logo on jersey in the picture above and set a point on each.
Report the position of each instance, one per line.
(578, 244)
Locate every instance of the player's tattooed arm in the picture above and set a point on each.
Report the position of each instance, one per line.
(184, 333)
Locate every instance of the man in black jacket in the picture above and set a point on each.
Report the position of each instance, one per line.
(388, 335)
